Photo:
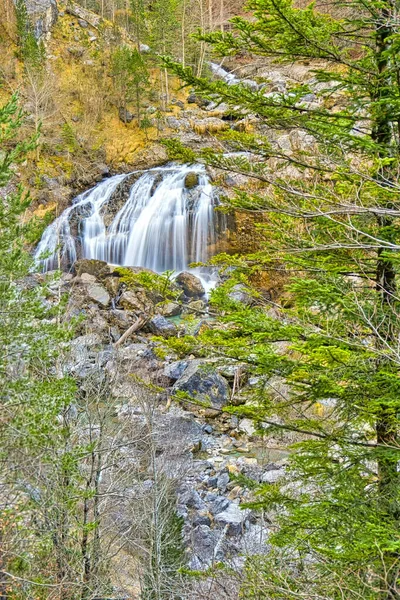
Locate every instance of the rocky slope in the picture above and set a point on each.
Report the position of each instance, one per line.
(207, 446)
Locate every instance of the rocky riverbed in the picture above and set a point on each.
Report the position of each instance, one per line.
(213, 451)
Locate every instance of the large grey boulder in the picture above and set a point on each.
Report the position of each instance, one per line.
(42, 14)
(159, 325)
(204, 384)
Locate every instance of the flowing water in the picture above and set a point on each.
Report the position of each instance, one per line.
(161, 226)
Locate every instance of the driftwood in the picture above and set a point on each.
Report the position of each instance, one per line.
(138, 324)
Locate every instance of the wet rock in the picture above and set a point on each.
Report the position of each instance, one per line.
(191, 180)
(176, 369)
(203, 383)
(191, 285)
(125, 115)
(159, 325)
(98, 294)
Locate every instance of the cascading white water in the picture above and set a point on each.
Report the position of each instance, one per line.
(162, 225)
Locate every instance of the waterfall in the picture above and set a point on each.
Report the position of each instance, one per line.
(161, 226)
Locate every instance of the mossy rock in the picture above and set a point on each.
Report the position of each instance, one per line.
(191, 180)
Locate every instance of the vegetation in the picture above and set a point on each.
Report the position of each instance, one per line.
(334, 228)
(86, 484)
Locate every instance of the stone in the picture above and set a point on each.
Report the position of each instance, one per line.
(197, 306)
(98, 294)
(234, 518)
(204, 542)
(176, 369)
(191, 499)
(171, 309)
(191, 180)
(204, 384)
(144, 48)
(201, 518)
(125, 115)
(219, 505)
(130, 301)
(87, 278)
(83, 23)
(247, 427)
(191, 285)
(76, 51)
(273, 476)
(121, 318)
(91, 266)
(208, 429)
(223, 481)
(160, 326)
(194, 99)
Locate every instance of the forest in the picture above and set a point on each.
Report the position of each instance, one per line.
(199, 279)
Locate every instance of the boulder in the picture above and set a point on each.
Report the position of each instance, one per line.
(125, 115)
(203, 383)
(171, 309)
(176, 369)
(98, 294)
(191, 285)
(91, 266)
(130, 301)
(159, 325)
(191, 180)
(233, 518)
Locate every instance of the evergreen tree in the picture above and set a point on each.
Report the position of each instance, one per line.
(331, 222)
(130, 75)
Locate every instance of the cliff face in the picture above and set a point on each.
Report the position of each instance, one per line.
(43, 15)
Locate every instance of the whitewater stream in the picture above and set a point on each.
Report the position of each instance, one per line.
(161, 226)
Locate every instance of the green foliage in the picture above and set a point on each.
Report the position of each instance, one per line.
(31, 51)
(130, 74)
(332, 228)
(162, 286)
(182, 346)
